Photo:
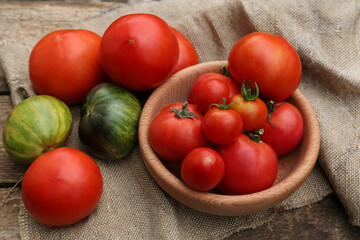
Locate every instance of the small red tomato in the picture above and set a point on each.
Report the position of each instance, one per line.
(284, 128)
(250, 166)
(202, 169)
(176, 130)
(268, 60)
(251, 108)
(210, 91)
(233, 86)
(61, 187)
(66, 64)
(221, 124)
(187, 52)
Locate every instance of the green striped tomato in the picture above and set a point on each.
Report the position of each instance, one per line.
(109, 121)
(35, 126)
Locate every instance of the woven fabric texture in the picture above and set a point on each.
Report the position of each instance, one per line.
(326, 36)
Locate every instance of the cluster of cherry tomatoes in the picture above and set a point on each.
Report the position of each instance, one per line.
(229, 133)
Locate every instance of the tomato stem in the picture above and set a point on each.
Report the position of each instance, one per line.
(271, 106)
(247, 93)
(225, 72)
(222, 106)
(255, 136)
(183, 112)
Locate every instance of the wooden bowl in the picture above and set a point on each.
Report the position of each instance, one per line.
(294, 168)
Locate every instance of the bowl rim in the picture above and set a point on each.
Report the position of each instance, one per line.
(229, 205)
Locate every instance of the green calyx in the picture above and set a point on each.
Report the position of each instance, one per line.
(183, 112)
(247, 93)
(222, 106)
(271, 106)
(255, 136)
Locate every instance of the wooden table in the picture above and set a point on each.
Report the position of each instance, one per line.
(322, 220)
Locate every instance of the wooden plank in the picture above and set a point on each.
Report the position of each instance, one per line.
(9, 209)
(322, 220)
(3, 86)
(27, 17)
(10, 171)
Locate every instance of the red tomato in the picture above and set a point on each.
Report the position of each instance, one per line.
(251, 108)
(221, 124)
(61, 187)
(202, 169)
(270, 61)
(187, 52)
(66, 64)
(139, 51)
(210, 91)
(176, 130)
(249, 166)
(285, 131)
(233, 86)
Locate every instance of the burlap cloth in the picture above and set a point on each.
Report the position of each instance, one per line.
(326, 36)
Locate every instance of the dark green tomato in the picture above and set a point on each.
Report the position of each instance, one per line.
(109, 121)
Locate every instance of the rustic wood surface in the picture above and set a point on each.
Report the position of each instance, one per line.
(322, 220)
(24, 16)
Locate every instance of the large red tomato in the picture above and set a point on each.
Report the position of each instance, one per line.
(66, 64)
(187, 52)
(250, 166)
(139, 51)
(61, 187)
(285, 131)
(202, 169)
(176, 130)
(270, 61)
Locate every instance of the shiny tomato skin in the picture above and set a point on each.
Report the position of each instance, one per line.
(287, 129)
(270, 61)
(202, 169)
(61, 187)
(66, 64)
(233, 86)
(249, 166)
(172, 138)
(254, 113)
(139, 51)
(210, 91)
(222, 126)
(187, 53)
